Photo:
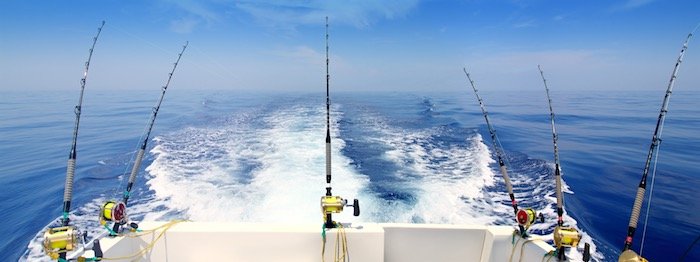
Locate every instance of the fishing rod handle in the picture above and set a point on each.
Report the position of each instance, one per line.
(70, 174)
(137, 165)
(636, 209)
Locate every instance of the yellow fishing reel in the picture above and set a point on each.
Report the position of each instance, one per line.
(113, 211)
(60, 240)
(335, 204)
(566, 236)
(528, 216)
(630, 256)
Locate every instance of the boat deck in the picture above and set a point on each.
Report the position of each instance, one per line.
(197, 241)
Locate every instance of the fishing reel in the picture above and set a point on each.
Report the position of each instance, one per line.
(113, 211)
(528, 216)
(335, 204)
(630, 256)
(60, 240)
(566, 236)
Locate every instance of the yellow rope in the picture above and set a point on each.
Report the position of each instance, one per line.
(323, 246)
(341, 245)
(150, 245)
(550, 254)
(522, 248)
(512, 251)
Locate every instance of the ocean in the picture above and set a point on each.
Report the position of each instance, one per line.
(408, 157)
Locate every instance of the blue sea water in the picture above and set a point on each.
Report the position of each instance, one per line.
(408, 157)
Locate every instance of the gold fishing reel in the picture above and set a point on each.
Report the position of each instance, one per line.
(566, 236)
(59, 240)
(335, 204)
(528, 216)
(113, 211)
(630, 256)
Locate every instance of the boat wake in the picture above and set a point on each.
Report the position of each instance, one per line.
(267, 165)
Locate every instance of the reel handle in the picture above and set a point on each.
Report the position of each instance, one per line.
(355, 207)
(97, 248)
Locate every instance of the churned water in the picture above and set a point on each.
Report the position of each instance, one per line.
(409, 157)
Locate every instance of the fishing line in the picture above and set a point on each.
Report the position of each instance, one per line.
(133, 154)
(653, 179)
(627, 252)
(140, 39)
(513, 172)
(651, 193)
(164, 51)
(114, 211)
(506, 158)
(200, 66)
(121, 184)
(115, 190)
(687, 250)
(219, 66)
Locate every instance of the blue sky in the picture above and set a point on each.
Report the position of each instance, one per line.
(375, 45)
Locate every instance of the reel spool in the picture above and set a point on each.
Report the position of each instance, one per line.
(332, 204)
(113, 211)
(631, 256)
(528, 216)
(60, 240)
(566, 236)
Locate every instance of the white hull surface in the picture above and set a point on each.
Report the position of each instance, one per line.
(367, 242)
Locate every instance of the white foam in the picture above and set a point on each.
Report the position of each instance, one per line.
(286, 185)
(455, 184)
(449, 182)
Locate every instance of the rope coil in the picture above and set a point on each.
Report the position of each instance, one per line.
(165, 227)
(341, 244)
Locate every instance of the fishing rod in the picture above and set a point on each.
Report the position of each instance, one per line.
(59, 240)
(115, 211)
(328, 120)
(564, 236)
(527, 216)
(332, 204)
(627, 252)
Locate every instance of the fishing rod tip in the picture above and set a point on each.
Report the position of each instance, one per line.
(694, 29)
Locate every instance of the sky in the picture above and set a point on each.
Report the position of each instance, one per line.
(392, 45)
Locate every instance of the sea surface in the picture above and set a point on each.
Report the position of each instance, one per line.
(408, 157)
